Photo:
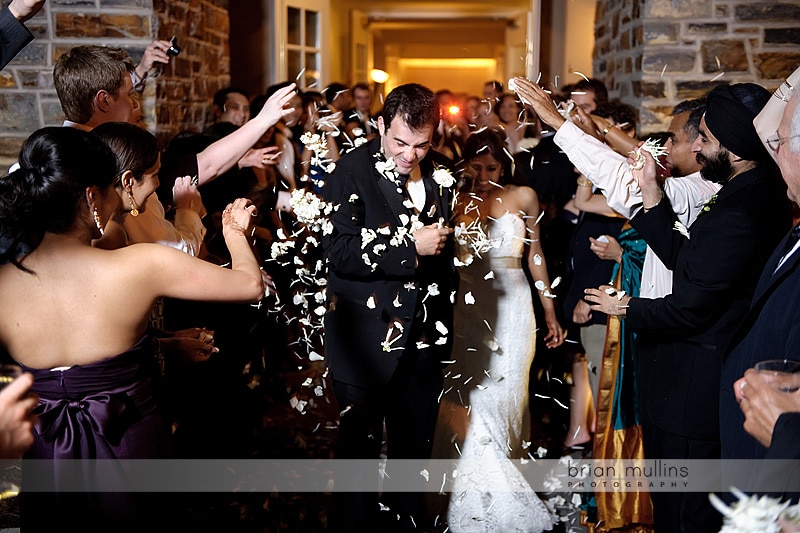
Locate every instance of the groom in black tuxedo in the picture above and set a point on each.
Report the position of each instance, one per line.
(388, 326)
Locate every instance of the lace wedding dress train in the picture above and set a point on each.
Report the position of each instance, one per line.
(484, 413)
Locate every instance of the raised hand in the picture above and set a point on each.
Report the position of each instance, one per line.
(25, 9)
(539, 101)
(643, 168)
(156, 52)
(186, 196)
(606, 249)
(237, 217)
(277, 106)
(260, 157)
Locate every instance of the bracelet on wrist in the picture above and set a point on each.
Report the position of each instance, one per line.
(584, 182)
(607, 129)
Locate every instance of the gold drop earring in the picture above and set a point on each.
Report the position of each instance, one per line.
(134, 207)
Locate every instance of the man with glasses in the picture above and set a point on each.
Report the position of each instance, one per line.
(716, 264)
(765, 422)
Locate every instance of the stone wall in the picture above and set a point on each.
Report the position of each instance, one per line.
(178, 99)
(654, 53)
(184, 94)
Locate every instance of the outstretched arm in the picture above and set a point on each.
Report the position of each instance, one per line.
(23, 10)
(14, 36)
(226, 152)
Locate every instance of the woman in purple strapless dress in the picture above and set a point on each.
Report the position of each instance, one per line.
(75, 317)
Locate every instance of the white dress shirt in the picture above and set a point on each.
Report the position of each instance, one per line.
(610, 172)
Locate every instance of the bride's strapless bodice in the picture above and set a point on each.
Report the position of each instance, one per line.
(482, 240)
(507, 234)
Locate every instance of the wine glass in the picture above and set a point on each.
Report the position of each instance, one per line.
(782, 374)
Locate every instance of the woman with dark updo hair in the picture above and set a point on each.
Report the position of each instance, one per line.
(75, 316)
(483, 416)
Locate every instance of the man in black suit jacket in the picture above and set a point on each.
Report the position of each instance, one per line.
(715, 263)
(14, 36)
(391, 277)
(766, 421)
(359, 121)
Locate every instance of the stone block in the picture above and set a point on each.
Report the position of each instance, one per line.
(675, 60)
(684, 9)
(18, 113)
(728, 55)
(767, 12)
(648, 89)
(102, 25)
(776, 65)
(782, 35)
(685, 90)
(654, 118)
(636, 36)
(625, 40)
(7, 80)
(660, 33)
(706, 28)
(34, 79)
(39, 31)
(9, 149)
(73, 3)
(52, 114)
(33, 54)
(126, 3)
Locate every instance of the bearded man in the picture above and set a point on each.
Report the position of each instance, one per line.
(716, 263)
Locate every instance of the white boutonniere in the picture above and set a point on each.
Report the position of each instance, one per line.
(443, 178)
(707, 205)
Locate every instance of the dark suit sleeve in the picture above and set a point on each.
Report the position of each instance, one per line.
(657, 228)
(359, 248)
(708, 266)
(13, 37)
(785, 438)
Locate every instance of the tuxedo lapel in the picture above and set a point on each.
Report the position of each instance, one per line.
(395, 197)
(770, 280)
(770, 276)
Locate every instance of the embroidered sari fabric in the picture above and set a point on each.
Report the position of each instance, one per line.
(619, 432)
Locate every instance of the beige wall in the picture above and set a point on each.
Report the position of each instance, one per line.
(572, 41)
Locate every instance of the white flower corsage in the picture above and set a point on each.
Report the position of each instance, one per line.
(443, 178)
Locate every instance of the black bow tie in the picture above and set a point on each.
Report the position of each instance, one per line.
(403, 178)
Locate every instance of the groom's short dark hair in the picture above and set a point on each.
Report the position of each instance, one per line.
(415, 104)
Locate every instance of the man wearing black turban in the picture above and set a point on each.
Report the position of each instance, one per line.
(716, 264)
(727, 128)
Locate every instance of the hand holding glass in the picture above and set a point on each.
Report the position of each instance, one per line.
(782, 374)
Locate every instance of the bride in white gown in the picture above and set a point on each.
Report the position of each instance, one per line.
(483, 418)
